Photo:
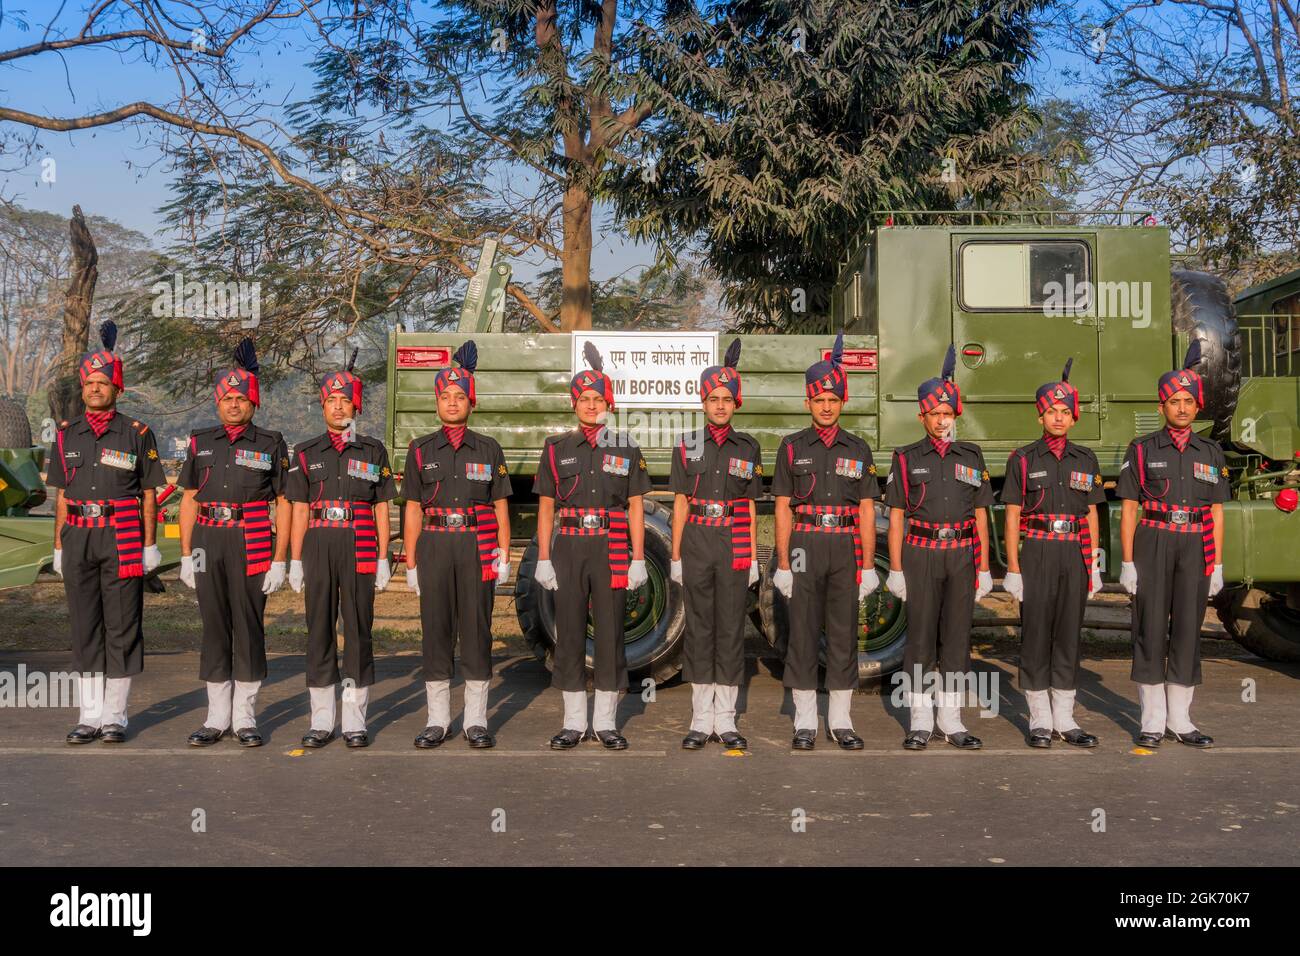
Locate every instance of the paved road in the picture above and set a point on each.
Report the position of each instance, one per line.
(653, 804)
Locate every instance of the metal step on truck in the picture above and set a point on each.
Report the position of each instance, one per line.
(1018, 293)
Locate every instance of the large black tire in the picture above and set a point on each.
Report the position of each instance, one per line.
(653, 649)
(1200, 308)
(1262, 622)
(881, 655)
(15, 430)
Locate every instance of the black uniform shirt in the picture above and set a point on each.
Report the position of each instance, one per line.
(941, 490)
(1196, 476)
(359, 473)
(251, 468)
(438, 474)
(1065, 487)
(809, 473)
(121, 463)
(601, 477)
(711, 472)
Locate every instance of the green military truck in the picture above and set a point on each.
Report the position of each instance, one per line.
(1017, 293)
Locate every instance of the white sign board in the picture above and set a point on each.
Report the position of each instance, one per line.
(651, 369)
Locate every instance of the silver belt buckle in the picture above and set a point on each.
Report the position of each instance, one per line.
(591, 521)
(714, 511)
(455, 520)
(1062, 526)
(946, 534)
(828, 521)
(1180, 517)
(334, 513)
(223, 513)
(92, 511)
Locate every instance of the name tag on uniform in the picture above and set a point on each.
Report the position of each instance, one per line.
(848, 467)
(568, 461)
(72, 455)
(968, 476)
(117, 459)
(1157, 464)
(803, 461)
(1038, 474)
(477, 471)
(202, 451)
(259, 460)
(616, 465)
(365, 470)
(741, 468)
(1081, 481)
(1207, 473)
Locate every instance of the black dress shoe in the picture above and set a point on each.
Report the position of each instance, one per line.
(1193, 739)
(83, 734)
(1039, 737)
(1149, 740)
(206, 736)
(804, 740)
(356, 738)
(479, 738)
(248, 737)
(961, 739)
(695, 740)
(567, 739)
(317, 738)
(1077, 738)
(612, 739)
(431, 737)
(113, 734)
(847, 739)
(733, 741)
(916, 739)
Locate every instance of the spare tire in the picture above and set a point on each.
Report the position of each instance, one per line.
(15, 430)
(1200, 309)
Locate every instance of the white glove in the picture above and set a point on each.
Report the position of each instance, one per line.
(383, 574)
(295, 576)
(870, 581)
(152, 558)
(503, 570)
(58, 561)
(984, 585)
(1095, 584)
(1216, 580)
(753, 573)
(897, 585)
(1128, 577)
(675, 571)
(783, 581)
(1014, 585)
(187, 570)
(544, 574)
(275, 576)
(636, 575)
(413, 581)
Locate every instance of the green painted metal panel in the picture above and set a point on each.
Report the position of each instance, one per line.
(1266, 417)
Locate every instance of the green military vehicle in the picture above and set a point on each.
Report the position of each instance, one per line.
(1018, 293)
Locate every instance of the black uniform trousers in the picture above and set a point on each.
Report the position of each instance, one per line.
(1056, 590)
(824, 600)
(231, 604)
(1169, 607)
(454, 601)
(716, 597)
(582, 570)
(334, 589)
(940, 607)
(104, 611)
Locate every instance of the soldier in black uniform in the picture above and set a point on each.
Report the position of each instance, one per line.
(231, 476)
(938, 493)
(339, 483)
(1173, 484)
(105, 468)
(597, 478)
(456, 530)
(717, 473)
(1052, 490)
(825, 487)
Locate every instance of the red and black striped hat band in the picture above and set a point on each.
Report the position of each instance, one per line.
(826, 377)
(720, 376)
(1182, 380)
(344, 383)
(591, 380)
(103, 362)
(461, 378)
(938, 392)
(239, 380)
(1054, 393)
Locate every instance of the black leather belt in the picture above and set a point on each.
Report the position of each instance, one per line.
(1174, 515)
(713, 511)
(221, 512)
(586, 522)
(1055, 525)
(451, 521)
(332, 513)
(90, 509)
(826, 520)
(943, 534)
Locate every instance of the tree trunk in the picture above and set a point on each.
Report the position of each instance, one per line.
(575, 295)
(65, 390)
